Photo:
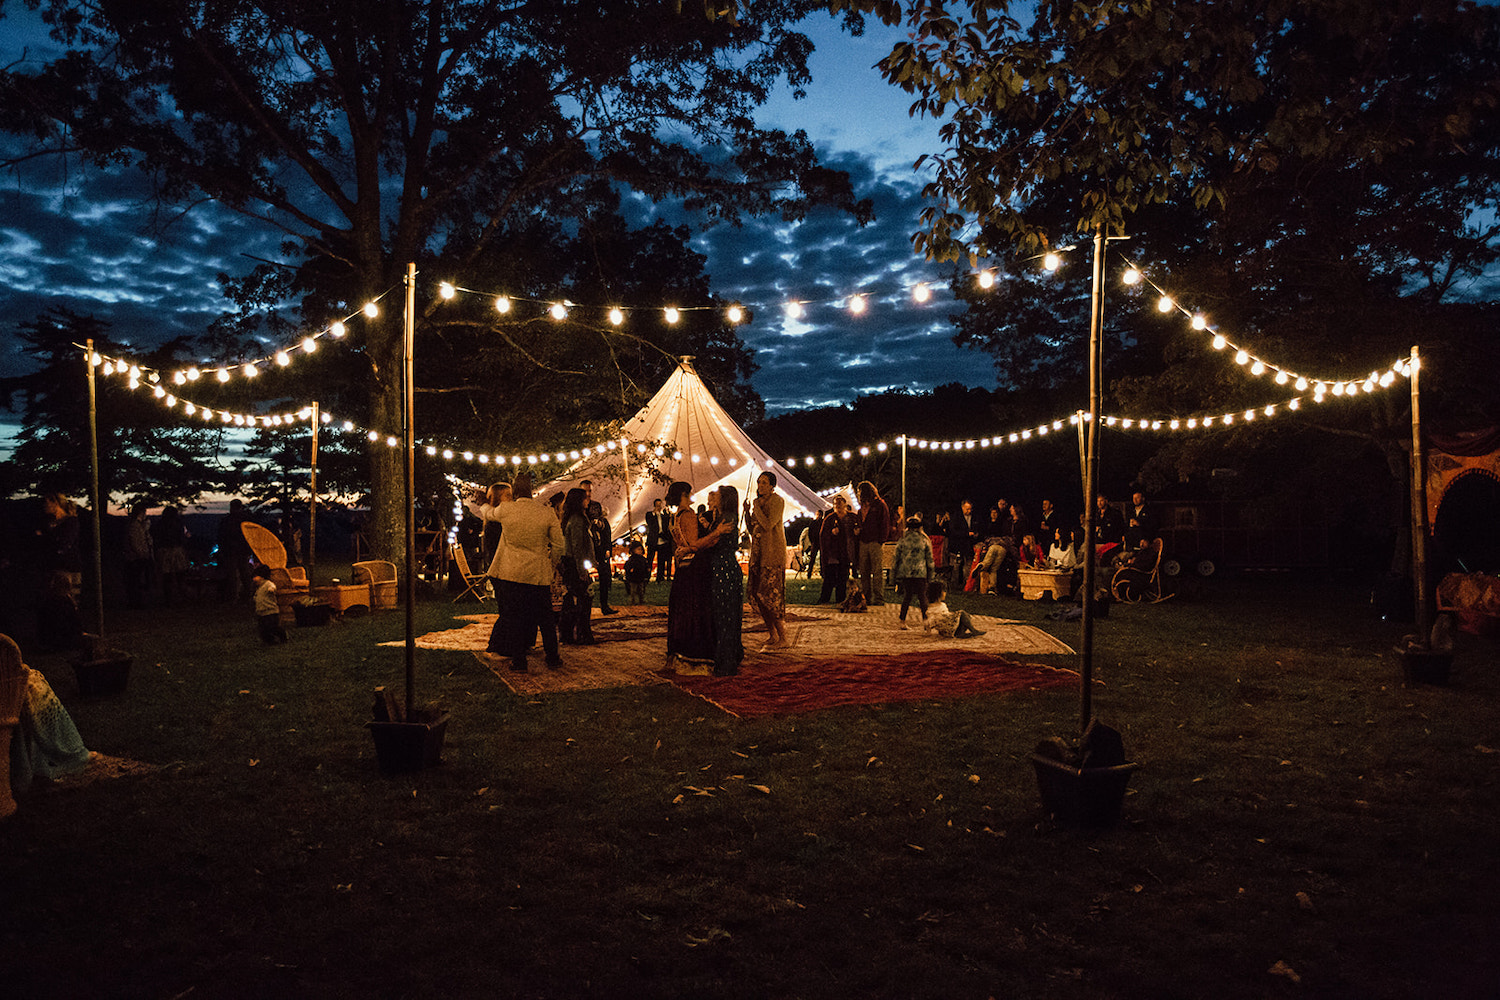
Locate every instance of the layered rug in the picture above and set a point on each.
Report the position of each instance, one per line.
(834, 659)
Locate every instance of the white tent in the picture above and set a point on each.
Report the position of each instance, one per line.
(681, 434)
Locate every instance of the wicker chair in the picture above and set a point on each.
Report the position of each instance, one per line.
(381, 576)
(291, 581)
(12, 693)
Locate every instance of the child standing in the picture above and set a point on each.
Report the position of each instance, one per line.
(912, 567)
(267, 611)
(637, 572)
(948, 624)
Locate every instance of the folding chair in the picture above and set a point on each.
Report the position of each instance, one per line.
(474, 583)
(1140, 578)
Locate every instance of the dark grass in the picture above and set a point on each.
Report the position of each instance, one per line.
(561, 850)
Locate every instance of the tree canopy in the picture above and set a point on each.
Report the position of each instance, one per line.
(489, 141)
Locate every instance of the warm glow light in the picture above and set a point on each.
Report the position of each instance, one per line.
(222, 374)
(250, 370)
(1200, 322)
(921, 293)
(1051, 262)
(283, 358)
(1259, 368)
(794, 309)
(1219, 341)
(193, 374)
(987, 279)
(857, 304)
(446, 290)
(371, 310)
(309, 345)
(337, 329)
(1241, 357)
(1131, 276)
(616, 315)
(1164, 304)
(558, 311)
(671, 314)
(735, 314)
(1282, 378)
(1301, 384)
(502, 304)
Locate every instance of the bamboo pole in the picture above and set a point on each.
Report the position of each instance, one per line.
(1420, 525)
(88, 364)
(312, 504)
(1091, 485)
(409, 449)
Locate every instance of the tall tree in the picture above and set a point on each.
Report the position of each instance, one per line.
(426, 131)
(1320, 177)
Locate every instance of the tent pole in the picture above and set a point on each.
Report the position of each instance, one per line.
(903, 473)
(625, 460)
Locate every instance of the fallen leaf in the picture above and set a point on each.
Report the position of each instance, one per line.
(482, 791)
(1304, 901)
(677, 800)
(738, 754)
(254, 761)
(916, 847)
(1282, 969)
(762, 789)
(871, 761)
(973, 779)
(1483, 749)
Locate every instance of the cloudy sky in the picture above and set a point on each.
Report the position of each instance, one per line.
(82, 241)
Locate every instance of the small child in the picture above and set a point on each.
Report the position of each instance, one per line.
(855, 600)
(637, 572)
(948, 624)
(267, 611)
(913, 567)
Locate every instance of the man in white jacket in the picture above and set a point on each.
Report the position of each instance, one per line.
(530, 546)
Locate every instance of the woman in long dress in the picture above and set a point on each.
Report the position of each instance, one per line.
(716, 552)
(689, 625)
(767, 580)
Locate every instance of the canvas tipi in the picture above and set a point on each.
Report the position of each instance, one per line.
(698, 444)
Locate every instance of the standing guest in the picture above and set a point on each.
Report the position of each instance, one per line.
(1140, 524)
(963, 535)
(767, 567)
(235, 560)
(833, 543)
(1109, 526)
(45, 744)
(170, 537)
(267, 610)
(59, 626)
(690, 639)
(576, 621)
(659, 540)
(1048, 525)
(874, 526)
(531, 545)
(637, 572)
(815, 541)
(726, 587)
(497, 494)
(57, 541)
(912, 568)
(1020, 524)
(602, 545)
(138, 556)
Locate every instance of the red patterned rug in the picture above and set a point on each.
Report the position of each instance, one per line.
(869, 680)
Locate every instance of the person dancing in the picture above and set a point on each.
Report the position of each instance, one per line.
(767, 576)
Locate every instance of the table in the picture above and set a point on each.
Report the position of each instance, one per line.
(342, 597)
(1036, 582)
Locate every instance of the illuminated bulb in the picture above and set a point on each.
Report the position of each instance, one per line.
(1228, 419)
(1282, 378)
(502, 304)
(735, 314)
(1156, 425)
(158, 392)
(857, 304)
(1259, 368)
(135, 371)
(222, 374)
(134, 383)
(1128, 422)
(309, 345)
(109, 367)
(154, 377)
(1301, 384)
(1369, 385)
(1051, 262)
(1387, 379)
(1241, 357)
(671, 314)
(1338, 388)
(373, 436)
(371, 310)
(448, 453)
(348, 425)
(1164, 304)
(846, 454)
(189, 409)
(446, 290)
(1270, 409)
(1175, 424)
(1131, 276)
(484, 459)
(617, 315)
(1219, 341)
(276, 420)
(1208, 421)
(337, 330)
(171, 401)
(250, 370)
(828, 458)
(95, 359)
(558, 311)
(193, 374)
(1294, 404)
(794, 310)
(283, 358)
(921, 293)
(1192, 423)
(987, 279)
(1199, 322)
(392, 441)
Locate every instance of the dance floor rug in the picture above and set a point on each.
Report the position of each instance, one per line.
(870, 657)
(871, 680)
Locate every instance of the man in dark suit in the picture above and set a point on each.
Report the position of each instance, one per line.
(1140, 523)
(963, 535)
(599, 527)
(659, 540)
(1047, 526)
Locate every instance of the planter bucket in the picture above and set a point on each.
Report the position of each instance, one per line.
(107, 675)
(1423, 666)
(1090, 796)
(409, 746)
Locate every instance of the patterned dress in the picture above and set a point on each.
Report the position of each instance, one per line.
(727, 601)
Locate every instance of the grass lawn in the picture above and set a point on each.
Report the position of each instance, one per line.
(1302, 825)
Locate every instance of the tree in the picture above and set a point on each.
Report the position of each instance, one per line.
(443, 132)
(1321, 178)
(142, 455)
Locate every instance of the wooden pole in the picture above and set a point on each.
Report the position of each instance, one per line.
(409, 450)
(1091, 485)
(88, 364)
(1419, 521)
(312, 505)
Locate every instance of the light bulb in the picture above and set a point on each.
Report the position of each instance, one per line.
(446, 290)
(794, 310)
(671, 314)
(283, 358)
(1164, 304)
(987, 279)
(735, 314)
(857, 304)
(309, 345)
(250, 370)
(371, 310)
(222, 374)
(502, 304)
(558, 311)
(1131, 276)
(337, 329)
(1051, 262)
